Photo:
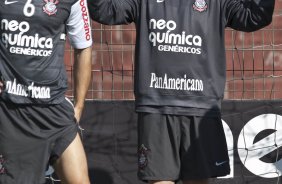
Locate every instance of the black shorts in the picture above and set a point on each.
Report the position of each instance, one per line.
(173, 148)
(31, 135)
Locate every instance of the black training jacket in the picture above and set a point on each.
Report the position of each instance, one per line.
(180, 49)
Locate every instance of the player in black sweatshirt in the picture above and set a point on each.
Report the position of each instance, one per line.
(180, 77)
(38, 124)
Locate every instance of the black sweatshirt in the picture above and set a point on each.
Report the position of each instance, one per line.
(180, 52)
(33, 36)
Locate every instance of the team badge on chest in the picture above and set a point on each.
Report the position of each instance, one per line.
(200, 5)
(50, 7)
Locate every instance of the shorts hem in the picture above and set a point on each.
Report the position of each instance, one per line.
(187, 178)
(151, 178)
(63, 146)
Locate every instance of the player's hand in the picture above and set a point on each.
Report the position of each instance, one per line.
(77, 113)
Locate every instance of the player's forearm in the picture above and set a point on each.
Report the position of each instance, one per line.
(113, 12)
(1, 86)
(82, 77)
(249, 15)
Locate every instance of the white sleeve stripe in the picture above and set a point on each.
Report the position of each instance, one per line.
(78, 25)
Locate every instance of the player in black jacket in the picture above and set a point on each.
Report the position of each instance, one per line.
(38, 124)
(180, 78)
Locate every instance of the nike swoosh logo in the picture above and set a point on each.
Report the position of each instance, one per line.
(10, 2)
(220, 163)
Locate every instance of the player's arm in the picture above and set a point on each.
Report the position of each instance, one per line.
(1, 86)
(82, 77)
(248, 15)
(113, 12)
(79, 34)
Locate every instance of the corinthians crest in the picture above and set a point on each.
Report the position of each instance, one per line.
(2, 168)
(142, 157)
(200, 5)
(50, 7)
